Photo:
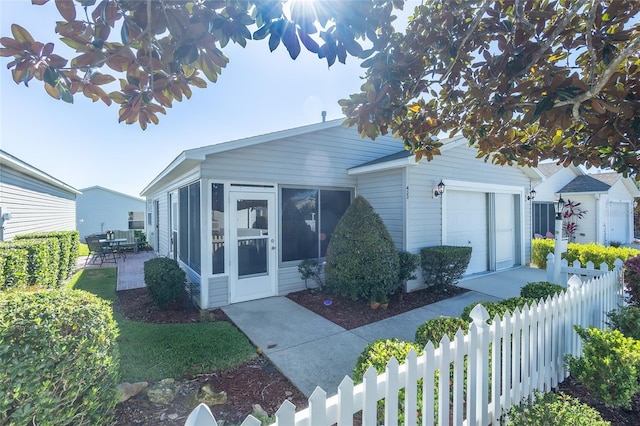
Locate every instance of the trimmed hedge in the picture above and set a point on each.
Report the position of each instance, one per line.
(592, 252)
(362, 259)
(626, 320)
(444, 265)
(14, 268)
(60, 358)
(165, 280)
(45, 260)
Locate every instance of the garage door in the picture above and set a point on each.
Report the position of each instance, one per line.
(619, 222)
(467, 226)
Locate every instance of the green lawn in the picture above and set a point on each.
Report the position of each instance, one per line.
(158, 351)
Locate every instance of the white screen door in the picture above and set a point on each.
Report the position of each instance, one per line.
(253, 245)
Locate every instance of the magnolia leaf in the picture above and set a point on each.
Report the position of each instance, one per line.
(117, 97)
(39, 2)
(51, 76)
(52, 91)
(290, 41)
(21, 35)
(66, 9)
(102, 79)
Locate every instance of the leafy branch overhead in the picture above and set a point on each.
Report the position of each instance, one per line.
(160, 49)
(523, 80)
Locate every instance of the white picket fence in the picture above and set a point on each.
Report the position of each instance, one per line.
(507, 361)
(576, 269)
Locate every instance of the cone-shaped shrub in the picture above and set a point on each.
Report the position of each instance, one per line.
(362, 259)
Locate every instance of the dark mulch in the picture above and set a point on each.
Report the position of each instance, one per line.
(351, 314)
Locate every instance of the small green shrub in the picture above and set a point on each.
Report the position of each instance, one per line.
(609, 366)
(65, 252)
(435, 329)
(165, 280)
(59, 356)
(632, 280)
(626, 320)
(541, 290)
(497, 308)
(408, 262)
(378, 354)
(552, 409)
(362, 260)
(540, 248)
(444, 265)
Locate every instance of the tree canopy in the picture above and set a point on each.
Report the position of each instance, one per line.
(522, 80)
(160, 49)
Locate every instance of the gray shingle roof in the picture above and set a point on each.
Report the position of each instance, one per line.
(549, 169)
(391, 157)
(586, 183)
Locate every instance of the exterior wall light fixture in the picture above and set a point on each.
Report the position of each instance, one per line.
(532, 195)
(438, 190)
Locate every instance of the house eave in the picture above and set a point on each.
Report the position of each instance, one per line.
(409, 161)
(8, 160)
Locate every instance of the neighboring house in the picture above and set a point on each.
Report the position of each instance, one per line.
(240, 216)
(100, 209)
(33, 201)
(607, 199)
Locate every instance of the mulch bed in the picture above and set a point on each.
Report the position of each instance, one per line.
(351, 314)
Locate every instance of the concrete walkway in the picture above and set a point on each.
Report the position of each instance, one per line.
(312, 351)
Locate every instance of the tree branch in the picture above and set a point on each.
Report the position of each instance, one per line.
(470, 32)
(631, 48)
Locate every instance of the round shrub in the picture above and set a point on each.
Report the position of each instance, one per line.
(626, 320)
(497, 308)
(362, 260)
(59, 356)
(377, 354)
(541, 290)
(609, 366)
(554, 409)
(435, 329)
(164, 279)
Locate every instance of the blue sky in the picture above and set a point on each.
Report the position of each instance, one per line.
(84, 145)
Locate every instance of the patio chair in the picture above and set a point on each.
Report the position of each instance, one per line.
(97, 250)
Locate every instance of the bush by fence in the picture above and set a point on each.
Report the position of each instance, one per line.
(592, 252)
(43, 260)
(60, 358)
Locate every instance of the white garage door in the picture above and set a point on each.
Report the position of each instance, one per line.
(619, 222)
(505, 231)
(467, 226)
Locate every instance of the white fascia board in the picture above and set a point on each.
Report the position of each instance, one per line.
(387, 165)
(459, 185)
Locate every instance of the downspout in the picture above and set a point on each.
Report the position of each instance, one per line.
(599, 237)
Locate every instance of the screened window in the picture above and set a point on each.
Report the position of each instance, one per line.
(309, 217)
(136, 220)
(543, 219)
(217, 227)
(189, 225)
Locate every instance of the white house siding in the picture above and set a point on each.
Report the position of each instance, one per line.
(99, 209)
(545, 190)
(386, 192)
(35, 206)
(587, 228)
(619, 213)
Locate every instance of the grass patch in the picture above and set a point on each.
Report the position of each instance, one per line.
(158, 351)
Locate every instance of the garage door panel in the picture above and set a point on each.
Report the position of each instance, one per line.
(467, 225)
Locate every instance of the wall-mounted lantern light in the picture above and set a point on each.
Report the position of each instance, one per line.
(532, 195)
(559, 206)
(438, 190)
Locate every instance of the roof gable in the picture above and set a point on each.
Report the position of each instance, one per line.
(585, 183)
(103, 189)
(8, 160)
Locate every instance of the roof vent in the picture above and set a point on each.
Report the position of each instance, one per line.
(324, 116)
